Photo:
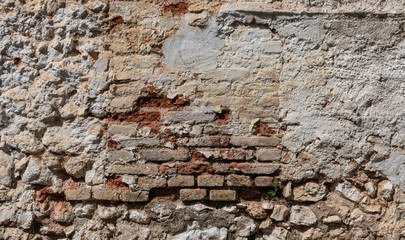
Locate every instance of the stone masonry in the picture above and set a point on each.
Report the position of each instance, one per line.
(202, 119)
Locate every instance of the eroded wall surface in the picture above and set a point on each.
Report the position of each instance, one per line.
(194, 119)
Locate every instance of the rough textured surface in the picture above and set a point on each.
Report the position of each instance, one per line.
(202, 119)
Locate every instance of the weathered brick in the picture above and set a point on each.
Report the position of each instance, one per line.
(222, 195)
(209, 141)
(188, 117)
(3, 195)
(221, 168)
(234, 180)
(186, 168)
(136, 169)
(192, 194)
(208, 180)
(139, 142)
(181, 181)
(266, 154)
(264, 181)
(223, 154)
(120, 155)
(255, 141)
(77, 191)
(158, 155)
(100, 193)
(137, 196)
(122, 130)
(148, 183)
(255, 168)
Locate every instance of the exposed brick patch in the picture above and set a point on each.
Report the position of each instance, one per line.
(150, 90)
(176, 8)
(17, 61)
(250, 194)
(164, 194)
(116, 183)
(142, 116)
(263, 129)
(47, 194)
(187, 168)
(223, 117)
(162, 102)
(115, 21)
(112, 144)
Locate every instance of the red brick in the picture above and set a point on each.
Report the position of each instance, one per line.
(264, 181)
(192, 194)
(186, 168)
(255, 141)
(208, 180)
(222, 195)
(159, 155)
(148, 183)
(209, 141)
(255, 168)
(234, 180)
(181, 181)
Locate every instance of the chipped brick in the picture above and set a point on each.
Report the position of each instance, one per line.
(209, 180)
(256, 141)
(136, 169)
(255, 168)
(209, 141)
(265, 154)
(264, 181)
(222, 195)
(234, 180)
(161, 155)
(181, 181)
(137, 196)
(192, 194)
(147, 183)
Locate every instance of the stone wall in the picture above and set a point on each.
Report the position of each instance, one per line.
(196, 119)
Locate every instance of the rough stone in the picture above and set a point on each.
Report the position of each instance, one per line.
(351, 193)
(139, 216)
(310, 192)
(256, 210)
(280, 212)
(302, 216)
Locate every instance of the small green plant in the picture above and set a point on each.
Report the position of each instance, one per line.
(272, 193)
